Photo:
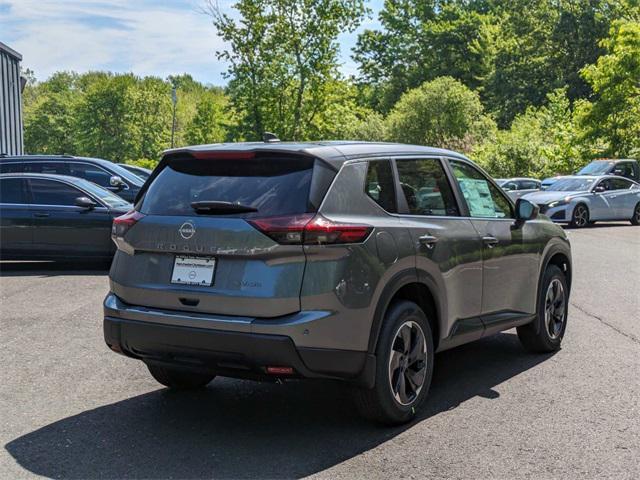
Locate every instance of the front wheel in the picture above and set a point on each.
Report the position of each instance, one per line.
(545, 333)
(404, 366)
(179, 379)
(580, 216)
(635, 219)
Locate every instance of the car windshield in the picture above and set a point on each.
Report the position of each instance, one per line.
(105, 196)
(571, 185)
(595, 168)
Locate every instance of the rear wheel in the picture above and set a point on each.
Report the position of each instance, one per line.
(635, 220)
(580, 216)
(179, 379)
(404, 366)
(545, 333)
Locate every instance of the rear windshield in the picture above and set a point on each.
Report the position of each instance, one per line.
(274, 186)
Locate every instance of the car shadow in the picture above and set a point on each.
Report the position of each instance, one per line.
(10, 268)
(241, 429)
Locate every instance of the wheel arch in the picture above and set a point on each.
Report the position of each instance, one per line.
(409, 285)
(558, 254)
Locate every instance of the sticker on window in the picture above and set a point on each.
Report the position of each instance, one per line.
(478, 197)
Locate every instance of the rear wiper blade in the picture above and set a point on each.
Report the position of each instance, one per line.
(218, 207)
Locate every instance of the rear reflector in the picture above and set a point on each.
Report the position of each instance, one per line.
(280, 370)
(310, 229)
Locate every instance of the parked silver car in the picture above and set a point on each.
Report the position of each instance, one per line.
(517, 187)
(582, 200)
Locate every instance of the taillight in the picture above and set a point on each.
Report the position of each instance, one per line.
(121, 226)
(309, 229)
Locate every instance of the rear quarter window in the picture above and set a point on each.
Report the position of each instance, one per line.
(273, 185)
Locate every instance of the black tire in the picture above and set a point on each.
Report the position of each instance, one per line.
(580, 216)
(380, 403)
(635, 219)
(179, 379)
(545, 333)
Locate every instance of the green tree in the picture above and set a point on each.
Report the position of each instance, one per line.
(283, 54)
(208, 123)
(541, 142)
(612, 120)
(49, 113)
(441, 113)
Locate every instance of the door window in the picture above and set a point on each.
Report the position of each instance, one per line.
(57, 168)
(380, 185)
(624, 169)
(620, 184)
(11, 167)
(90, 172)
(483, 198)
(12, 191)
(426, 188)
(529, 185)
(51, 192)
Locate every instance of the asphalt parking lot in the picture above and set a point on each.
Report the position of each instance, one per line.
(69, 408)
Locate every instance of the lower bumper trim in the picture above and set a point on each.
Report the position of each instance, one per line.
(234, 354)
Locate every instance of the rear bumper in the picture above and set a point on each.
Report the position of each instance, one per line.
(171, 338)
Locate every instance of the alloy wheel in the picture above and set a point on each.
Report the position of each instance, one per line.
(554, 308)
(637, 214)
(407, 363)
(580, 216)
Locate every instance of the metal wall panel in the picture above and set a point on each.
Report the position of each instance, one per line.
(11, 140)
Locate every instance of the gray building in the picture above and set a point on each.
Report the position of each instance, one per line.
(11, 85)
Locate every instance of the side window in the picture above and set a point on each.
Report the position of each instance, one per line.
(380, 185)
(90, 172)
(510, 186)
(624, 169)
(51, 192)
(12, 190)
(484, 200)
(426, 188)
(58, 168)
(11, 167)
(606, 184)
(621, 184)
(529, 185)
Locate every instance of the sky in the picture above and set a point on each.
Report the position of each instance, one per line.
(141, 36)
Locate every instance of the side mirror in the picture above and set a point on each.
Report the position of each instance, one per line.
(525, 210)
(85, 202)
(116, 181)
(599, 189)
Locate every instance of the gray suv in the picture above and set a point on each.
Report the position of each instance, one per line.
(337, 260)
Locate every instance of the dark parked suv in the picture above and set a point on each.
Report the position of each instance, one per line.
(342, 260)
(107, 174)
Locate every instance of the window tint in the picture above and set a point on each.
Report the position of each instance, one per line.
(273, 185)
(620, 184)
(90, 172)
(12, 190)
(58, 168)
(51, 192)
(624, 169)
(425, 187)
(380, 185)
(483, 198)
(510, 186)
(529, 185)
(11, 167)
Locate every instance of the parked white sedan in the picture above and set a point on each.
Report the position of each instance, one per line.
(582, 200)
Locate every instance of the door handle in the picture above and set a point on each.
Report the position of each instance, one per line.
(490, 241)
(428, 241)
(41, 215)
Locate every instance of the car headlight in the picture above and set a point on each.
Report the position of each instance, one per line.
(559, 203)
